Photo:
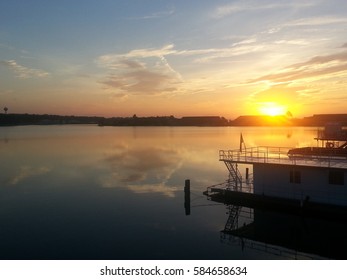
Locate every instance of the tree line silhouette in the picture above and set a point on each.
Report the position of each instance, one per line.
(7, 119)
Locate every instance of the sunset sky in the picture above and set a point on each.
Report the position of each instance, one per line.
(181, 58)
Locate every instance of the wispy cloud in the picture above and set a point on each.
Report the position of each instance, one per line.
(315, 67)
(309, 23)
(142, 71)
(141, 82)
(154, 15)
(242, 6)
(294, 42)
(315, 21)
(111, 60)
(237, 50)
(22, 71)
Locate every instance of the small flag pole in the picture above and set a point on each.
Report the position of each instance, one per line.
(242, 142)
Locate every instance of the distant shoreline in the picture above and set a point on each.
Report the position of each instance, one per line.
(211, 121)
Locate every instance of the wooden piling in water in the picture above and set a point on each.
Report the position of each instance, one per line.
(187, 196)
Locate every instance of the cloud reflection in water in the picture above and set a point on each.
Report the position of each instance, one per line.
(26, 172)
(143, 169)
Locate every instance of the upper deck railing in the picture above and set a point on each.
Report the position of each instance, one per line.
(279, 155)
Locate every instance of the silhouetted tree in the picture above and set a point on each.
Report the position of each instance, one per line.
(5, 109)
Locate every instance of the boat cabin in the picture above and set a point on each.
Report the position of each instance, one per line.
(307, 174)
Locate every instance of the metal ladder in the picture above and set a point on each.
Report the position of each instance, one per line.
(235, 177)
(232, 222)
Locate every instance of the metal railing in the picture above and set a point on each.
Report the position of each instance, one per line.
(279, 155)
(256, 154)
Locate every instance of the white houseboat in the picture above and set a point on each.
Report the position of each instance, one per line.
(300, 176)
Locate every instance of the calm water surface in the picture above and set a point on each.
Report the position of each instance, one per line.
(89, 192)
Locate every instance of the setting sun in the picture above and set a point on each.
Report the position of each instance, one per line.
(272, 109)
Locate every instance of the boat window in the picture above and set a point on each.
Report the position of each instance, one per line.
(295, 177)
(336, 177)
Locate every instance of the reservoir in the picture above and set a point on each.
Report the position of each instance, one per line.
(89, 192)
